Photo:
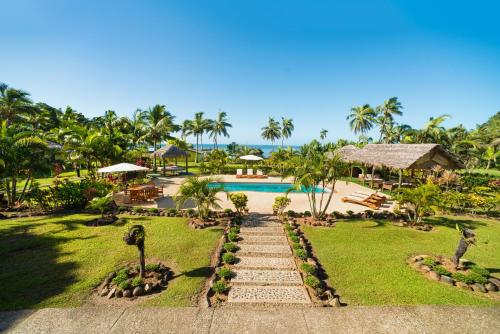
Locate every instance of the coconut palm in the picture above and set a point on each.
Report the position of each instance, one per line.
(14, 103)
(322, 134)
(138, 124)
(490, 155)
(361, 118)
(287, 128)
(198, 190)
(433, 131)
(271, 131)
(199, 126)
(219, 127)
(390, 108)
(160, 123)
(186, 129)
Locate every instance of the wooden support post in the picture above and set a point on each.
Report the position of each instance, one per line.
(400, 177)
(373, 173)
(164, 171)
(187, 165)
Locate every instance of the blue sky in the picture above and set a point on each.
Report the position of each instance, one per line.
(308, 60)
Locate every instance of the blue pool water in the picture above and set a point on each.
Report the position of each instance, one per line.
(262, 187)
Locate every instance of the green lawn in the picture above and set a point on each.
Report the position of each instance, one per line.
(56, 261)
(365, 260)
(491, 171)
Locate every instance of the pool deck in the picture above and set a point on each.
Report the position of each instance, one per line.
(261, 202)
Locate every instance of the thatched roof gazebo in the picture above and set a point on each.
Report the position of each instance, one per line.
(404, 157)
(346, 151)
(170, 152)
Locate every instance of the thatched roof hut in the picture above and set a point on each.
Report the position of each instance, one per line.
(168, 152)
(346, 151)
(405, 156)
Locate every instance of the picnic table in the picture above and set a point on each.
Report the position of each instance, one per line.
(143, 192)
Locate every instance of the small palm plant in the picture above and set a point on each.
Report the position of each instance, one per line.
(100, 204)
(136, 236)
(198, 190)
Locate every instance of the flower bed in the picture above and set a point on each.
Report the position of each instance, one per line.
(468, 275)
(128, 284)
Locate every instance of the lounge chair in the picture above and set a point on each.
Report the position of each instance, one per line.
(239, 173)
(261, 175)
(374, 195)
(250, 173)
(371, 201)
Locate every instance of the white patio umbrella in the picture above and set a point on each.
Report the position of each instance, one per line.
(121, 168)
(251, 157)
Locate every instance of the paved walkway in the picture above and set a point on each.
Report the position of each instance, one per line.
(418, 319)
(266, 272)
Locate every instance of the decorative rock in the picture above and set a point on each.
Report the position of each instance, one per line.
(434, 275)
(425, 268)
(479, 287)
(495, 281)
(335, 302)
(462, 285)
(147, 288)
(127, 293)
(119, 294)
(447, 280)
(111, 294)
(491, 287)
(104, 292)
(138, 291)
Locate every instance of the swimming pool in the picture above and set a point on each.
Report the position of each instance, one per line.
(262, 187)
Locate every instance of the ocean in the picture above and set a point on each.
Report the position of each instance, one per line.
(267, 149)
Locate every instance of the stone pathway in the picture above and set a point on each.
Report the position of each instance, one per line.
(266, 272)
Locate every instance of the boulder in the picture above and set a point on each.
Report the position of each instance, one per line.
(119, 294)
(148, 288)
(434, 275)
(447, 280)
(462, 285)
(104, 292)
(111, 293)
(495, 281)
(491, 287)
(335, 302)
(138, 291)
(479, 287)
(127, 293)
(425, 268)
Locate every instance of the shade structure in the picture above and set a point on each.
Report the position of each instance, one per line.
(251, 157)
(169, 152)
(122, 168)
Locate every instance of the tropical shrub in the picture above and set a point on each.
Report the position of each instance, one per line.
(280, 204)
(230, 247)
(224, 273)
(219, 287)
(152, 267)
(198, 190)
(312, 281)
(428, 262)
(101, 204)
(232, 236)
(240, 201)
(308, 268)
(234, 229)
(294, 238)
(441, 270)
(457, 276)
(136, 281)
(480, 270)
(420, 201)
(228, 258)
(301, 254)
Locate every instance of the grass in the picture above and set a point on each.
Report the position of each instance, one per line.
(56, 261)
(491, 171)
(365, 260)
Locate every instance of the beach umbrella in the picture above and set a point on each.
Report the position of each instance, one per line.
(121, 168)
(251, 157)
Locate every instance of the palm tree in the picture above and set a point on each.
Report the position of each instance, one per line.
(219, 127)
(271, 131)
(198, 190)
(199, 126)
(160, 123)
(186, 129)
(433, 131)
(490, 155)
(322, 134)
(286, 129)
(138, 124)
(13, 103)
(386, 112)
(361, 118)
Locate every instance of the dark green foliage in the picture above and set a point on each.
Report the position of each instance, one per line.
(301, 254)
(125, 285)
(122, 209)
(220, 287)
(224, 273)
(288, 227)
(308, 268)
(291, 213)
(228, 211)
(232, 236)
(291, 233)
(172, 211)
(471, 180)
(153, 210)
(136, 281)
(296, 246)
(477, 278)
(294, 238)
(230, 247)
(234, 229)
(121, 276)
(307, 214)
(228, 258)
(152, 267)
(137, 209)
(312, 281)
(462, 278)
(441, 270)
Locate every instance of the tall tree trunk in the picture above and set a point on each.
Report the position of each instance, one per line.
(196, 154)
(154, 156)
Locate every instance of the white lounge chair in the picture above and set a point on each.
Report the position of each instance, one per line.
(239, 173)
(249, 172)
(260, 174)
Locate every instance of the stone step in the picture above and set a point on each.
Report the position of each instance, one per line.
(262, 230)
(266, 277)
(263, 239)
(272, 250)
(270, 263)
(261, 224)
(269, 294)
